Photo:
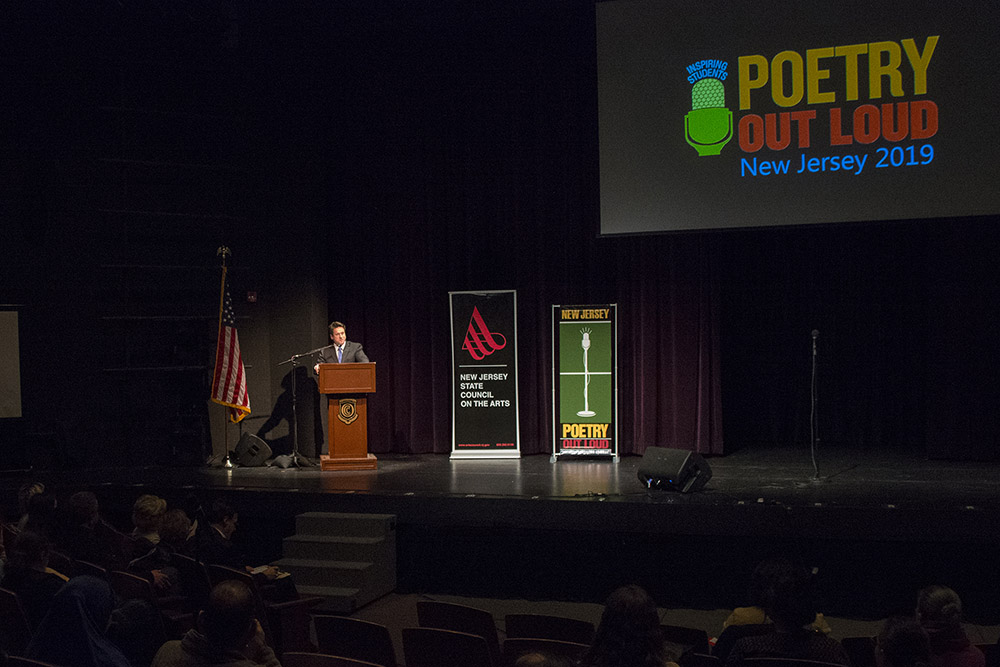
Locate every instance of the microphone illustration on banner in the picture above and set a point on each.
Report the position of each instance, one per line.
(708, 127)
(585, 344)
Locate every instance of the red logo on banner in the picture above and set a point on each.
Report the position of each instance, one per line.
(480, 342)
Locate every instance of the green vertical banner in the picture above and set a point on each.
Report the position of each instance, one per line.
(585, 380)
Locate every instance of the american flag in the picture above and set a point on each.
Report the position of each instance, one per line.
(229, 384)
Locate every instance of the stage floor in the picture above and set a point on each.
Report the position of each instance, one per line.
(879, 495)
(876, 525)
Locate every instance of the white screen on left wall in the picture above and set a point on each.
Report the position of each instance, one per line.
(10, 366)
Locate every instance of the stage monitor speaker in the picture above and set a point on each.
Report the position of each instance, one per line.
(251, 451)
(673, 470)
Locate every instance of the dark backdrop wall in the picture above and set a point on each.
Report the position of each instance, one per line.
(363, 159)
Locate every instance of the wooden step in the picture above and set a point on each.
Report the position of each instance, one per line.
(335, 547)
(338, 600)
(349, 574)
(347, 558)
(345, 524)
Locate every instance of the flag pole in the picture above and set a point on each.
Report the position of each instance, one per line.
(227, 462)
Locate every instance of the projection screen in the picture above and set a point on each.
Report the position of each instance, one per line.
(724, 114)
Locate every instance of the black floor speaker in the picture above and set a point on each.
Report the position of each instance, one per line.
(673, 470)
(251, 451)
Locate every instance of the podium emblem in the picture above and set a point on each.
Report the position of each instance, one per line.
(348, 410)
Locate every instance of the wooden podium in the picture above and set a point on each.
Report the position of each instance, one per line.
(346, 386)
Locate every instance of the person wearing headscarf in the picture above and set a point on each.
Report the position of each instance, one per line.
(74, 631)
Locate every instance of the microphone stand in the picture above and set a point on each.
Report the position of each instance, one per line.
(813, 414)
(586, 412)
(297, 460)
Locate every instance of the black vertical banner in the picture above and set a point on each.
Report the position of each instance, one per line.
(484, 414)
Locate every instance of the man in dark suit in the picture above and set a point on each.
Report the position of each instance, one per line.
(342, 351)
(215, 547)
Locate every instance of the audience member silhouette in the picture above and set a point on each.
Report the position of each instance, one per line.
(147, 513)
(228, 634)
(27, 575)
(215, 547)
(41, 515)
(902, 642)
(157, 564)
(760, 583)
(753, 620)
(789, 603)
(939, 611)
(24, 495)
(214, 537)
(73, 632)
(86, 537)
(195, 510)
(542, 660)
(629, 633)
(3, 548)
(176, 531)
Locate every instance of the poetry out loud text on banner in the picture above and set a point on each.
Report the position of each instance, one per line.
(484, 375)
(585, 383)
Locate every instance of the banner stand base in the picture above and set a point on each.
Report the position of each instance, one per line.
(583, 455)
(468, 456)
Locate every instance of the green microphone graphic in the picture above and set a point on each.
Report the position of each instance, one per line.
(709, 125)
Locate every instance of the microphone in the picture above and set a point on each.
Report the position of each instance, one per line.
(815, 335)
(708, 127)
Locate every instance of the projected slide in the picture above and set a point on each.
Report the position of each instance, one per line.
(744, 114)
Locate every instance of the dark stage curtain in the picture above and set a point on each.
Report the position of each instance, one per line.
(669, 381)
(908, 321)
(476, 169)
